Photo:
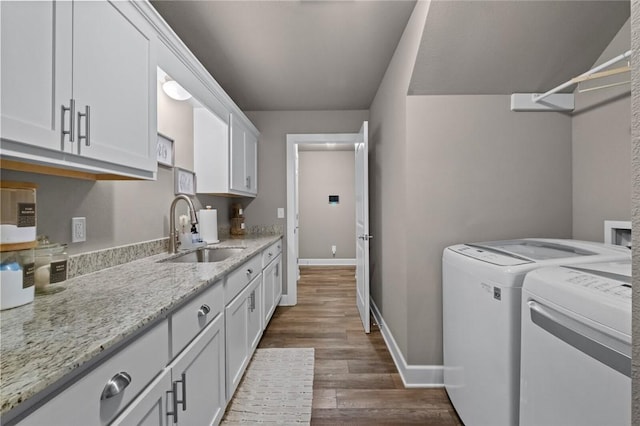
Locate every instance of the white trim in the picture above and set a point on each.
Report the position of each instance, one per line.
(327, 262)
(413, 376)
(292, 255)
(285, 300)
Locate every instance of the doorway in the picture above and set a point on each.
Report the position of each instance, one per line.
(359, 142)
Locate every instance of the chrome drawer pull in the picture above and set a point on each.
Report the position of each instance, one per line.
(249, 271)
(204, 310)
(115, 385)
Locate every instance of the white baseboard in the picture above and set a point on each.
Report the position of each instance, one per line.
(413, 376)
(327, 262)
(285, 300)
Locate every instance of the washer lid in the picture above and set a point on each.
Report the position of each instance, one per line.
(489, 255)
(535, 250)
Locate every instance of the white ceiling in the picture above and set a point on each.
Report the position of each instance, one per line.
(292, 55)
(332, 55)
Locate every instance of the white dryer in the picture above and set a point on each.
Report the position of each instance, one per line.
(576, 346)
(482, 288)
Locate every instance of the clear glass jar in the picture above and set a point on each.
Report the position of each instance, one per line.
(50, 265)
(16, 278)
(17, 215)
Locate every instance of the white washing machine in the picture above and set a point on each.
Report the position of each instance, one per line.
(576, 346)
(482, 288)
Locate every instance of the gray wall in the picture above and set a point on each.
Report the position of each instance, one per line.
(388, 196)
(272, 155)
(448, 169)
(501, 175)
(324, 173)
(601, 150)
(635, 203)
(119, 212)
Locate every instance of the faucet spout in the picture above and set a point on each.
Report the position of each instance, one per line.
(173, 235)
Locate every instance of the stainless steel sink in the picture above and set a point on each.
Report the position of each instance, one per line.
(206, 255)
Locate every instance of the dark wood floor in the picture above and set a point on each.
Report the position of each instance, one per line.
(355, 379)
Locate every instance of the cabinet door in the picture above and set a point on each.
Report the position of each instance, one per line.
(150, 408)
(251, 162)
(112, 75)
(36, 72)
(237, 156)
(237, 339)
(199, 378)
(277, 288)
(255, 320)
(268, 291)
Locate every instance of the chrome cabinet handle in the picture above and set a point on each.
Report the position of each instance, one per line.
(248, 181)
(174, 392)
(115, 385)
(277, 269)
(87, 126)
(72, 114)
(365, 237)
(252, 301)
(182, 401)
(270, 254)
(249, 271)
(204, 310)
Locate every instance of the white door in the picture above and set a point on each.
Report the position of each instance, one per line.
(362, 225)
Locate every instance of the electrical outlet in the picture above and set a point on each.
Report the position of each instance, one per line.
(280, 212)
(333, 250)
(78, 229)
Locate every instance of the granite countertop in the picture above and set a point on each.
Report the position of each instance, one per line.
(43, 342)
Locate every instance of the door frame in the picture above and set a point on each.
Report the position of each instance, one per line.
(293, 140)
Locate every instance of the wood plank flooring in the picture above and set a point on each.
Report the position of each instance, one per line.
(356, 381)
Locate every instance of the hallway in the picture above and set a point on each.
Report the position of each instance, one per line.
(355, 379)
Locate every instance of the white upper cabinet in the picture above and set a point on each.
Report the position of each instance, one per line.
(113, 81)
(78, 86)
(32, 99)
(243, 159)
(225, 155)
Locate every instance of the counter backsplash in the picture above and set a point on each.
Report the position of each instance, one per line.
(86, 263)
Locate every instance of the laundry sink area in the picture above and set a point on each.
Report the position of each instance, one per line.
(206, 254)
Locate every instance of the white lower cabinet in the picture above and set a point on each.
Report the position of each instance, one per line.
(184, 370)
(271, 288)
(198, 375)
(190, 391)
(243, 331)
(99, 396)
(150, 408)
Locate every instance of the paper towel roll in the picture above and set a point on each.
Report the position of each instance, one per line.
(208, 221)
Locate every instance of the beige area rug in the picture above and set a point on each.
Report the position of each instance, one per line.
(277, 388)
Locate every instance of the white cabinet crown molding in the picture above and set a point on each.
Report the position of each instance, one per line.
(176, 45)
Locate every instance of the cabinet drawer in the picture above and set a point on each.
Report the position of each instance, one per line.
(80, 404)
(192, 318)
(238, 279)
(271, 253)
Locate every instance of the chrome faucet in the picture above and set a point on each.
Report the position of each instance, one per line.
(173, 235)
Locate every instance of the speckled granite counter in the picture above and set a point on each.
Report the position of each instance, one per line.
(49, 339)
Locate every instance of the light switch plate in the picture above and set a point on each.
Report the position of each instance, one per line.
(78, 229)
(280, 212)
